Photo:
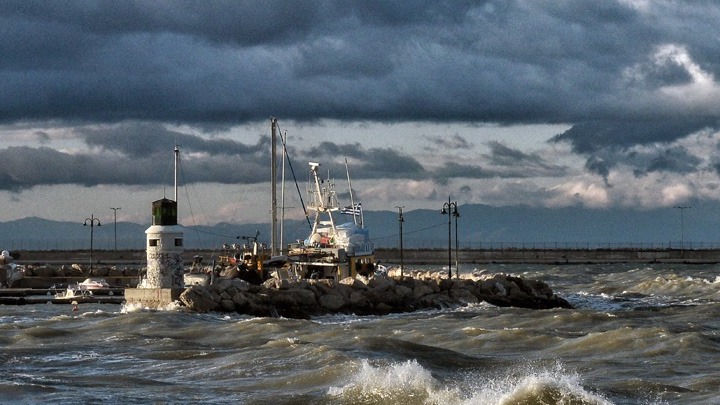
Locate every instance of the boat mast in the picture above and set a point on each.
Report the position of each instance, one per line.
(177, 158)
(273, 181)
(282, 192)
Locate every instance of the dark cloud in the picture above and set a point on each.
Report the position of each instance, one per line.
(42, 136)
(373, 163)
(501, 155)
(597, 165)
(24, 168)
(454, 141)
(214, 62)
(146, 139)
(590, 137)
(676, 160)
(142, 154)
(133, 66)
(502, 162)
(135, 154)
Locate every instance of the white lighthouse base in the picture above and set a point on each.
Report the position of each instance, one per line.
(156, 298)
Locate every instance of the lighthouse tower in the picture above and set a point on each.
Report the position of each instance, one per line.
(165, 275)
(164, 247)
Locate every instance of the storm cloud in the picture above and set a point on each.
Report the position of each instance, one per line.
(107, 89)
(227, 61)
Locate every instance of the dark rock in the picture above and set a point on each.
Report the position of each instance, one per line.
(332, 302)
(198, 298)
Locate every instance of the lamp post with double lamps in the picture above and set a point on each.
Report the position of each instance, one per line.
(450, 208)
(92, 220)
(401, 219)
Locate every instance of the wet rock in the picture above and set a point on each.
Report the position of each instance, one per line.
(70, 271)
(303, 297)
(100, 271)
(43, 271)
(331, 302)
(463, 295)
(114, 272)
(198, 298)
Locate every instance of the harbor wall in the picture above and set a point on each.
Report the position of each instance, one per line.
(547, 256)
(410, 256)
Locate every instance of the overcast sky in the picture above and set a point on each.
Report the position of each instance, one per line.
(599, 104)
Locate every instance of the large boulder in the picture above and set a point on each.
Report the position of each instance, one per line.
(303, 297)
(199, 299)
(100, 271)
(43, 271)
(463, 295)
(332, 302)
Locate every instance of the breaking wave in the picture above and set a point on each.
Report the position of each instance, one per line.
(409, 383)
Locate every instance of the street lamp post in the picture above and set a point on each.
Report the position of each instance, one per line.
(92, 220)
(400, 221)
(682, 227)
(115, 209)
(450, 208)
(456, 214)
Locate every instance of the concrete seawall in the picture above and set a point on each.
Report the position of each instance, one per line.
(549, 256)
(414, 256)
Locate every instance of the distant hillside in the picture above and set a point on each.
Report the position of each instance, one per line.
(478, 226)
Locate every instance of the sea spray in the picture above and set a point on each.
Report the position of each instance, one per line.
(396, 383)
(530, 386)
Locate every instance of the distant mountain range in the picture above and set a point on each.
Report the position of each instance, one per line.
(479, 226)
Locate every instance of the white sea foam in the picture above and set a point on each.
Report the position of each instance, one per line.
(397, 383)
(544, 386)
(136, 307)
(410, 383)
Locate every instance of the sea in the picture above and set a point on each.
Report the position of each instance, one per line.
(639, 334)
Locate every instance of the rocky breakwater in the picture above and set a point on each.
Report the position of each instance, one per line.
(375, 296)
(44, 276)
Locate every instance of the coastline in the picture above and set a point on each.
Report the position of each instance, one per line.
(410, 256)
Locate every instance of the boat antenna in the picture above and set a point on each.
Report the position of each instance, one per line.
(352, 200)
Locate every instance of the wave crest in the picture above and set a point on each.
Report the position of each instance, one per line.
(410, 383)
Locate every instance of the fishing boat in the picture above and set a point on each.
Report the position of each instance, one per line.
(332, 250)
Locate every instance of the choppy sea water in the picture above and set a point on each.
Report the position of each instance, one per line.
(641, 334)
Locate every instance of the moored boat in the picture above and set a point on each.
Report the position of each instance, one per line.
(73, 292)
(94, 284)
(332, 250)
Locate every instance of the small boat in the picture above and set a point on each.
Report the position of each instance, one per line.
(332, 250)
(12, 272)
(197, 275)
(94, 284)
(73, 292)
